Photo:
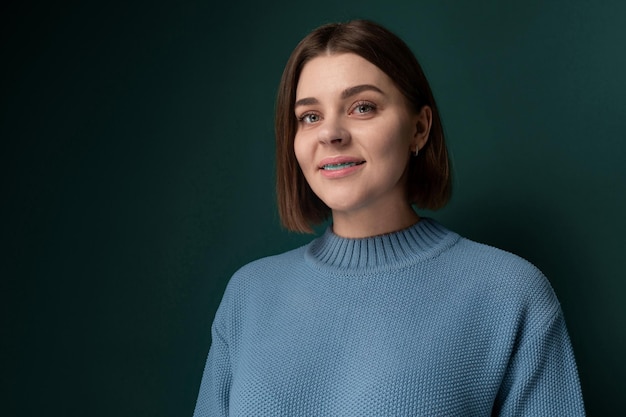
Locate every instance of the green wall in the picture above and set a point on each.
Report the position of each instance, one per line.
(137, 176)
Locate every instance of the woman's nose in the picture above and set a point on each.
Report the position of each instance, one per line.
(333, 132)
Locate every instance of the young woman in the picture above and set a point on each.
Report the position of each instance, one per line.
(386, 313)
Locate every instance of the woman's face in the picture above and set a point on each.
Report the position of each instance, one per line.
(355, 135)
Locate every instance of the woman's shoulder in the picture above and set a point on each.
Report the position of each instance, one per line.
(271, 262)
(502, 274)
(492, 257)
(265, 270)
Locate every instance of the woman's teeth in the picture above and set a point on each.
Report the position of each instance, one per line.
(333, 167)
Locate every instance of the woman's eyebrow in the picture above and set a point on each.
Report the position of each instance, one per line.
(306, 101)
(348, 92)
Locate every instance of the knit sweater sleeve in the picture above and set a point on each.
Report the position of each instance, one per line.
(213, 398)
(541, 378)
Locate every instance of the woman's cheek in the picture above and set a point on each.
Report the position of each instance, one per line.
(301, 152)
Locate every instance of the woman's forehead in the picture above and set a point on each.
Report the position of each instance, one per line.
(337, 73)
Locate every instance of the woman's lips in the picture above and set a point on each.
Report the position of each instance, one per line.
(334, 167)
(341, 166)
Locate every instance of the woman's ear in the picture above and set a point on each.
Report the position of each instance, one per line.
(422, 122)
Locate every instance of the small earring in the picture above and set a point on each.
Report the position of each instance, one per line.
(417, 150)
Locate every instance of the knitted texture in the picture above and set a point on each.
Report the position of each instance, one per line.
(420, 322)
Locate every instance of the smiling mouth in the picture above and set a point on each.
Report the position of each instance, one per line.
(335, 167)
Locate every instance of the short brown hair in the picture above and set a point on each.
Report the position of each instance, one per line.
(429, 175)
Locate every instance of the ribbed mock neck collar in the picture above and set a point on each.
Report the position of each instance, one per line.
(423, 240)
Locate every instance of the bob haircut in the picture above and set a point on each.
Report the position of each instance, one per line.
(428, 175)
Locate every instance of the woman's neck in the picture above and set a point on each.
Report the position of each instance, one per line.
(369, 223)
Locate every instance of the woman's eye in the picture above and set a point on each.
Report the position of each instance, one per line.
(309, 118)
(363, 108)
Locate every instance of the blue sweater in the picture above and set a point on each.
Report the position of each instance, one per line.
(421, 322)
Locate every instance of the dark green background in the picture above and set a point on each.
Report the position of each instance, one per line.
(137, 176)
